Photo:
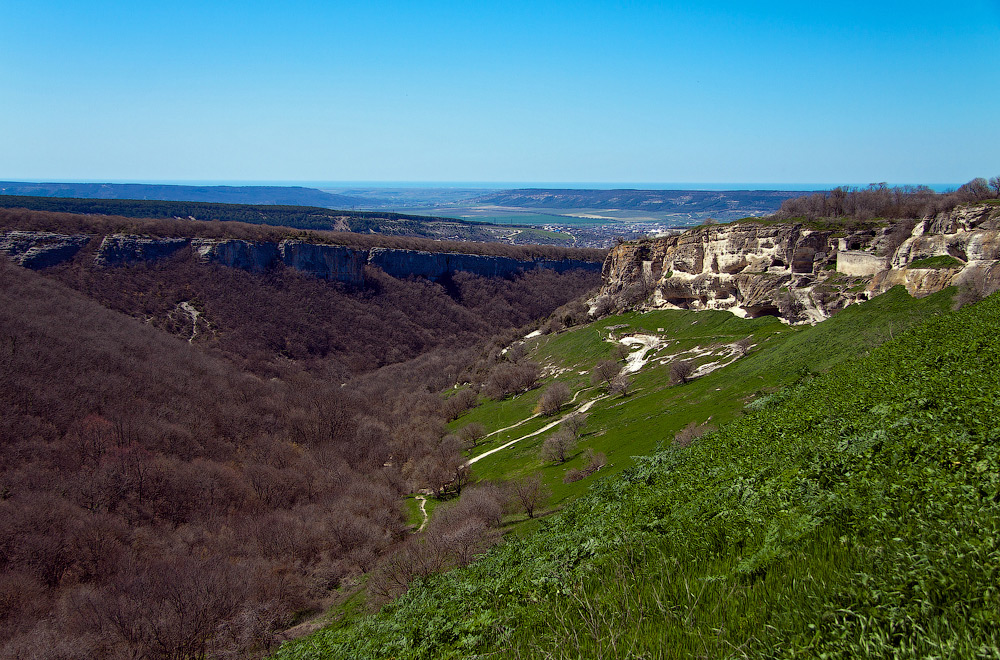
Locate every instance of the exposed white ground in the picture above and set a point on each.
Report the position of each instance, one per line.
(193, 313)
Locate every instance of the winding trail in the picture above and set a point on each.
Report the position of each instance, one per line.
(580, 409)
(531, 417)
(423, 509)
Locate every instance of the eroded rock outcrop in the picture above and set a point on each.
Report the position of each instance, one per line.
(40, 249)
(253, 256)
(327, 262)
(125, 249)
(801, 274)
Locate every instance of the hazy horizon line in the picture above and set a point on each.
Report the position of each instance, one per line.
(497, 185)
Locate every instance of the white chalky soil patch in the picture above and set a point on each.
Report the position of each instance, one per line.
(644, 344)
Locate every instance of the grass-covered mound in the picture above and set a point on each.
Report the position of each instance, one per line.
(853, 514)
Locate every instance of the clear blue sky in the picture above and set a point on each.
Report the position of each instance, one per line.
(500, 91)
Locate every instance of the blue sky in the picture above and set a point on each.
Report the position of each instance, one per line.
(515, 91)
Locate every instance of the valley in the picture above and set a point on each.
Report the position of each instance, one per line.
(422, 449)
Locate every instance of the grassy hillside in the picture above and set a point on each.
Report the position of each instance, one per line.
(852, 513)
(623, 428)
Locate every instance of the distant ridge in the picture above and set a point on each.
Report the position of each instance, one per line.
(279, 195)
(744, 202)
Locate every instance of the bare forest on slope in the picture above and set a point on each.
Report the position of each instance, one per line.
(178, 484)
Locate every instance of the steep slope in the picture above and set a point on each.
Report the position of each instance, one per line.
(194, 454)
(853, 513)
(156, 501)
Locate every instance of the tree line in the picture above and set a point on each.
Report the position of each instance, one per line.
(879, 200)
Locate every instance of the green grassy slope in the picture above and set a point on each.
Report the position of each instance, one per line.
(648, 418)
(853, 513)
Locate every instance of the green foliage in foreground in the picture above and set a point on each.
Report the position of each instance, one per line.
(852, 514)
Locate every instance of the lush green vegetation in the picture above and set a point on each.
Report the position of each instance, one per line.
(851, 513)
(623, 428)
(940, 261)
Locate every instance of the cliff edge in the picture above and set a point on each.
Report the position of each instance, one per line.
(799, 273)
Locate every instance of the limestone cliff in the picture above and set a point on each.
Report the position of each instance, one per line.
(123, 249)
(802, 274)
(40, 249)
(327, 262)
(330, 262)
(246, 255)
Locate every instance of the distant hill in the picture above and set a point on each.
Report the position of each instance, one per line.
(296, 195)
(744, 202)
(295, 216)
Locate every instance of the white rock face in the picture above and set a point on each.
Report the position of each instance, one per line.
(797, 274)
(40, 249)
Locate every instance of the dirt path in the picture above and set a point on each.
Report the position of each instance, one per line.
(580, 409)
(423, 509)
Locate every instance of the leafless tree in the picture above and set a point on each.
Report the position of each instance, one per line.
(681, 371)
(575, 423)
(743, 345)
(529, 493)
(690, 433)
(604, 372)
(557, 447)
(507, 378)
(472, 433)
(975, 190)
(603, 306)
(458, 403)
(553, 398)
(620, 384)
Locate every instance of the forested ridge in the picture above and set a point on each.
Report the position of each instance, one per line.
(77, 223)
(298, 217)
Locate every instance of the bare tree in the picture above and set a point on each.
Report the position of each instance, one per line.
(530, 493)
(975, 190)
(558, 446)
(743, 346)
(553, 398)
(995, 185)
(620, 384)
(458, 403)
(595, 460)
(575, 423)
(681, 371)
(472, 433)
(603, 306)
(509, 378)
(604, 372)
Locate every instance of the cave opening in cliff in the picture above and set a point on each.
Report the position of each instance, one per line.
(763, 310)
